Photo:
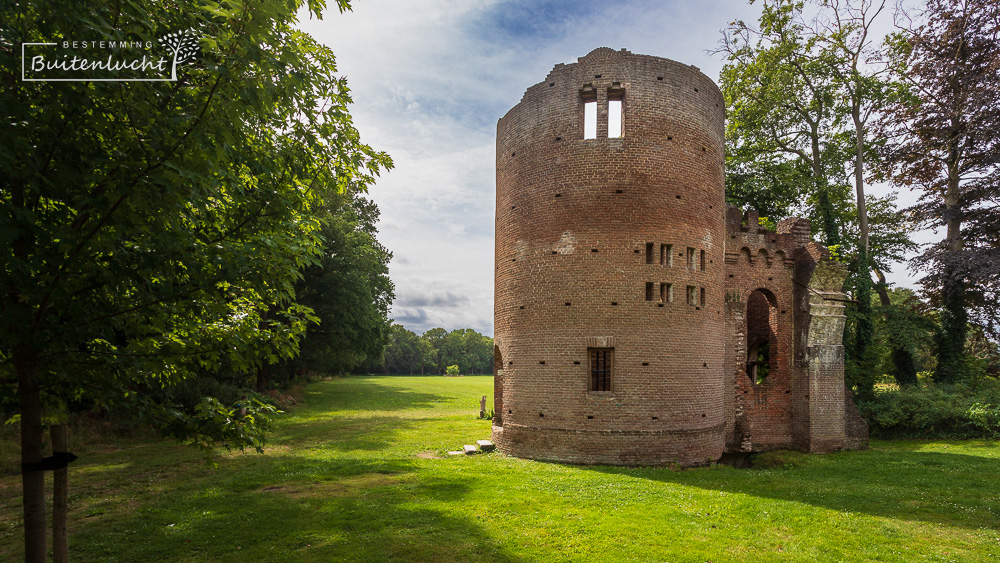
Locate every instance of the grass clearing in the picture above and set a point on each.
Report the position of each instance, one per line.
(357, 471)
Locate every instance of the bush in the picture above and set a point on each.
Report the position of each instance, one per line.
(986, 418)
(451, 370)
(935, 411)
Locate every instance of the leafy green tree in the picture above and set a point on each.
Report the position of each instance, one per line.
(800, 96)
(404, 354)
(845, 30)
(149, 230)
(436, 338)
(348, 289)
(941, 139)
(784, 111)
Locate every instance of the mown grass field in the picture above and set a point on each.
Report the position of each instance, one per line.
(357, 472)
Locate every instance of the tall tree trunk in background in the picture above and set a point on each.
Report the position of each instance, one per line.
(33, 482)
(60, 496)
(830, 230)
(954, 318)
(864, 329)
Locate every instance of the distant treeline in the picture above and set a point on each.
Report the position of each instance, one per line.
(435, 350)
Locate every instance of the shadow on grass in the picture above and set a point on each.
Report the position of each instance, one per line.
(294, 510)
(940, 488)
(363, 394)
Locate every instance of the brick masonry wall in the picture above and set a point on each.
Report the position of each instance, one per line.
(760, 288)
(573, 220)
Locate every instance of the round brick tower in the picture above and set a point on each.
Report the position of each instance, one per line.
(609, 265)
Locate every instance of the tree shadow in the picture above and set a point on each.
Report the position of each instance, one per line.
(309, 510)
(940, 488)
(363, 394)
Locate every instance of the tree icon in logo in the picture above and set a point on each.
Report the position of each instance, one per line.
(183, 45)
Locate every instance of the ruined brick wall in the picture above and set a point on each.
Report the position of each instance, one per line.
(573, 221)
(759, 285)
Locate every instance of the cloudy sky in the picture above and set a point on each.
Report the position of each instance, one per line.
(430, 79)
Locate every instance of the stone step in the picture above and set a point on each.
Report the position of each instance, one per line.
(456, 452)
(486, 445)
(470, 449)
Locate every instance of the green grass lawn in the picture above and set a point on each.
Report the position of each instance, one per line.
(358, 471)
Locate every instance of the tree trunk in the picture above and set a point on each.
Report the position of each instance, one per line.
(33, 482)
(60, 496)
(902, 356)
(954, 318)
(825, 207)
(864, 331)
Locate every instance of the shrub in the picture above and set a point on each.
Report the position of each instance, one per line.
(986, 418)
(451, 370)
(935, 411)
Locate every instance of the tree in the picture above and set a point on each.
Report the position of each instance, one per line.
(783, 111)
(846, 30)
(941, 139)
(436, 337)
(801, 95)
(146, 228)
(404, 354)
(348, 289)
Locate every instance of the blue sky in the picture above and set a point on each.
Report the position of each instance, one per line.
(430, 79)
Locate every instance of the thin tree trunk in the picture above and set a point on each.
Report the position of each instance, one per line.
(60, 496)
(33, 482)
(825, 206)
(864, 328)
(859, 179)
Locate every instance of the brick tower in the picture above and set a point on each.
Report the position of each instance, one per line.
(610, 241)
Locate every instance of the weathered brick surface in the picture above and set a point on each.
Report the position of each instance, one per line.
(574, 223)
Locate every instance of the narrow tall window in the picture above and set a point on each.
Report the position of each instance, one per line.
(616, 115)
(702, 260)
(614, 119)
(692, 295)
(702, 302)
(601, 367)
(649, 253)
(649, 291)
(588, 96)
(666, 255)
(590, 120)
(690, 257)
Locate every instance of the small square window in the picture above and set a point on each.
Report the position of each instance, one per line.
(666, 255)
(692, 295)
(666, 293)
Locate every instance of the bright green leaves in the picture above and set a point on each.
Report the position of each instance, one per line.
(152, 232)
